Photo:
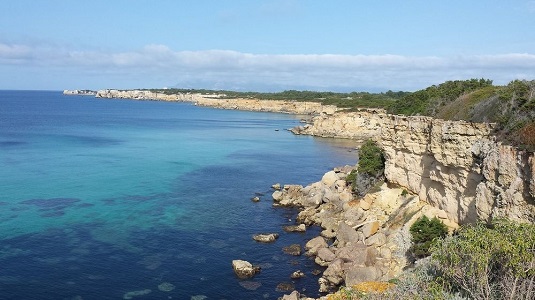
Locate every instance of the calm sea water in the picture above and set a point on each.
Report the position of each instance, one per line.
(99, 198)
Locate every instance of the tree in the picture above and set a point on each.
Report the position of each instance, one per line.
(424, 233)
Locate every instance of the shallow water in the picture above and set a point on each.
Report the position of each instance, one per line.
(99, 198)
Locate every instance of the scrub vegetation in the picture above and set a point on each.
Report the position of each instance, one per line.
(481, 261)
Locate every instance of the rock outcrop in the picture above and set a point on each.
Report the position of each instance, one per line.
(244, 269)
(456, 166)
(266, 237)
(363, 239)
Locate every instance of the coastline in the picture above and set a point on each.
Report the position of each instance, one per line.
(452, 170)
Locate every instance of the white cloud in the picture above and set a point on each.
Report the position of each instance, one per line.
(236, 70)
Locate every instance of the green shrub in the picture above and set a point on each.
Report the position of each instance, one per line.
(424, 233)
(352, 179)
(495, 261)
(371, 159)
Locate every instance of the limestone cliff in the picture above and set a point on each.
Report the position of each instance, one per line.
(454, 165)
(218, 101)
(146, 95)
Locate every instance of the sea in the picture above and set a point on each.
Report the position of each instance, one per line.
(125, 199)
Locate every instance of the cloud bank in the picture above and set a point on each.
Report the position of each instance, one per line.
(225, 69)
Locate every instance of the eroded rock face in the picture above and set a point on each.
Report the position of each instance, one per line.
(456, 166)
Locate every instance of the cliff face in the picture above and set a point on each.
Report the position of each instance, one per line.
(145, 95)
(302, 108)
(456, 166)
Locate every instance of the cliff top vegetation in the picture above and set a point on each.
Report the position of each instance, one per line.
(511, 106)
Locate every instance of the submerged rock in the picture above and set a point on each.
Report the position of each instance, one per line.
(250, 285)
(166, 287)
(294, 249)
(132, 294)
(285, 287)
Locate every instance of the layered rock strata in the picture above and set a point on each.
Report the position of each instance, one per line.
(456, 166)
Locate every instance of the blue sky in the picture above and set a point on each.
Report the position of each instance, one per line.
(270, 45)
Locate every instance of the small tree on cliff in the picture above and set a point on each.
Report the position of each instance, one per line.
(371, 159)
(369, 170)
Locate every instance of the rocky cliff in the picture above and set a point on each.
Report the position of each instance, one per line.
(456, 166)
(217, 101)
(146, 95)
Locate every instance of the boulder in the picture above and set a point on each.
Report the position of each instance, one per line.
(266, 237)
(370, 229)
(365, 205)
(325, 285)
(297, 274)
(276, 186)
(360, 274)
(355, 254)
(315, 244)
(376, 240)
(346, 234)
(313, 200)
(293, 296)
(335, 273)
(277, 196)
(346, 196)
(324, 257)
(244, 269)
(295, 228)
(329, 178)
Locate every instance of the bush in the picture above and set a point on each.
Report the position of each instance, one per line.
(371, 159)
(424, 233)
(495, 261)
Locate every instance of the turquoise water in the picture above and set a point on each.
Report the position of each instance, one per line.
(102, 197)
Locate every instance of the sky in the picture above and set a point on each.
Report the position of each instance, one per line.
(263, 45)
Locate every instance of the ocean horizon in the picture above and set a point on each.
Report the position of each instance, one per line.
(124, 199)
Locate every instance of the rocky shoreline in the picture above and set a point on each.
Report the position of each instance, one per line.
(363, 239)
(453, 170)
